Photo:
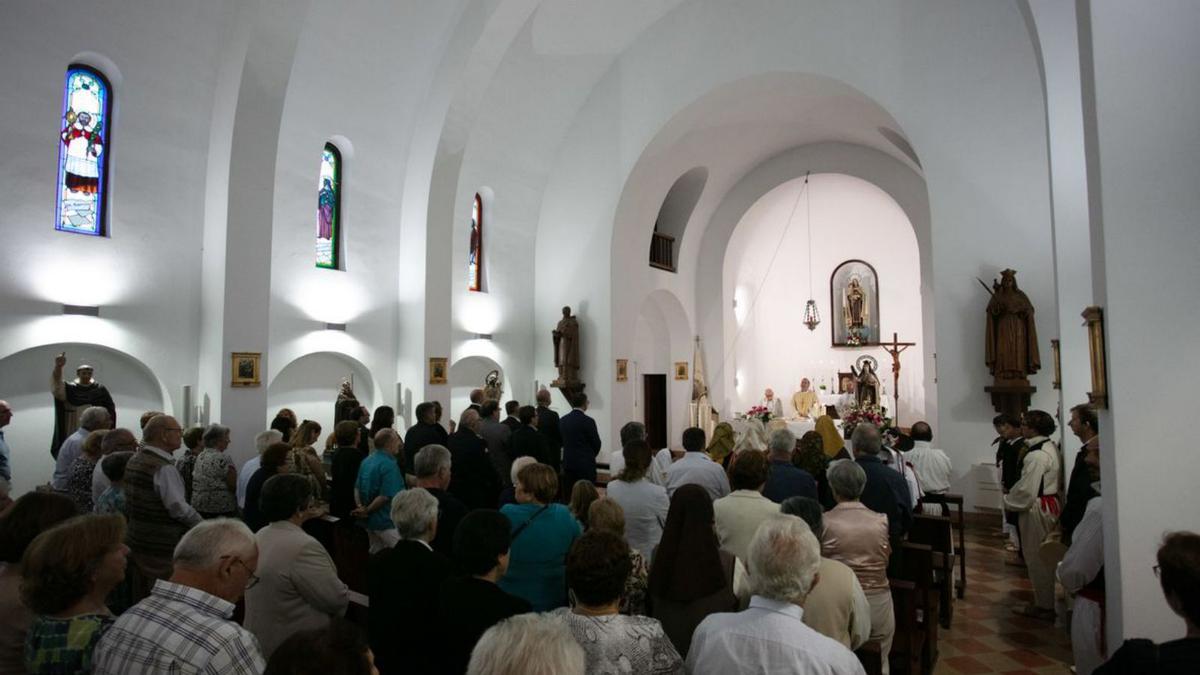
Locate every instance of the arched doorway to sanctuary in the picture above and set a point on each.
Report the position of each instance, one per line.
(845, 243)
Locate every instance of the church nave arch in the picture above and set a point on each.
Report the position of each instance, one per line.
(308, 384)
(468, 373)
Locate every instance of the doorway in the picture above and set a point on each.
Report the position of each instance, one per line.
(654, 392)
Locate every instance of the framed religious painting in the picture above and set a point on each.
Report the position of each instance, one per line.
(854, 304)
(622, 370)
(245, 368)
(681, 370)
(437, 369)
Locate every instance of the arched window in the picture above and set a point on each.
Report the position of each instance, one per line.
(85, 144)
(475, 256)
(329, 209)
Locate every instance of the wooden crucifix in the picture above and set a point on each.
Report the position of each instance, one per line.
(894, 348)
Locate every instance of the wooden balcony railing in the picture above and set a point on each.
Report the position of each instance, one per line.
(662, 252)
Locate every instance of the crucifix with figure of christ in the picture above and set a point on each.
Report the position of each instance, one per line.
(894, 348)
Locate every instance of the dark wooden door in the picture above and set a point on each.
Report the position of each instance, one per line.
(654, 393)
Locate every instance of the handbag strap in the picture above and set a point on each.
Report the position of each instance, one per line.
(517, 532)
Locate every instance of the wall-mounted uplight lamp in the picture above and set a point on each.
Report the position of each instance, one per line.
(336, 326)
(483, 336)
(81, 310)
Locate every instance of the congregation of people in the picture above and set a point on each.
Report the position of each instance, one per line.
(495, 548)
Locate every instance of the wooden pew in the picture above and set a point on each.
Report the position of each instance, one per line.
(915, 645)
(870, 657)
(958, 521)
(937, 533)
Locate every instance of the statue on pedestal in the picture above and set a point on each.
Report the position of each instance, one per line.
(866, 382)
(71, 398)
(1010, 345)
(566, 354)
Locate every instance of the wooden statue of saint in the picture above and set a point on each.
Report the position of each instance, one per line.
(866, 384)
(566, 349)
(1011, 340)
(72, 398)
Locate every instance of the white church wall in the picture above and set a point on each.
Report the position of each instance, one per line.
(308, 386)
(766, 268)
(145, 275)
(977, 161)
(1141, 133)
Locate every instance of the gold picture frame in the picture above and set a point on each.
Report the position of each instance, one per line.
(1094, 320)
(437, 369)
(622, 370)
(1054, 347)
(245, 369)
(681, 370)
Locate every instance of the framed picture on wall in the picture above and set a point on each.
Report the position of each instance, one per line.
(437, 369)
(245, 369)
(681, 370)
(854, 304)
(622, 370)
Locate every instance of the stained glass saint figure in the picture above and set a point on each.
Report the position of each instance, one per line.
(328, 207)
(475, 256)
(82, 163)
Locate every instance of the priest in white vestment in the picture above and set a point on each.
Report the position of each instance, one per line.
(772, 404)
(806, 401)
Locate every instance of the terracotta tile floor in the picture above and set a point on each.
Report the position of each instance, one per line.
(985, 636)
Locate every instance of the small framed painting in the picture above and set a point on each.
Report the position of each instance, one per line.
(245, 368)
(437, 369)
(622, 370)
(681, 370)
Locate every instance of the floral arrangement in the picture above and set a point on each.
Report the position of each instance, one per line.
(759, 412)
(854, 414)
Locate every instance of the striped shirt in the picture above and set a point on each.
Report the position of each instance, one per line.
(178, 629)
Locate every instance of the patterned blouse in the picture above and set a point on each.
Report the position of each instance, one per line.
(210, 491)
(633, 601)
(64, 646)
(112, 501)
(615, 643)
(79, 483)
(307, 463)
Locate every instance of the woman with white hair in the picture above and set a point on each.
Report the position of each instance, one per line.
(527, 644)
(214, 478)
(858, 537)
(770, 636)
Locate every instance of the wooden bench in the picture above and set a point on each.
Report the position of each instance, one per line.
(958, 521)
(870, 656)
(915, 599)
(937, 533)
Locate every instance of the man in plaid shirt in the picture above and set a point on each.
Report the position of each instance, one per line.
(185, 626)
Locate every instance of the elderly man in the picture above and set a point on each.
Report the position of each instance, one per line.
(1082, 573)
(404, 583)
(497, 436)
(262, 441)
(1035, 499)
(771, 635)
(425, 432)
(697, 467)
(858, 537)
(548, 426)
(932, 464)
(1084, 425)
(886, 491)
(785, 479)
(5, 454)
(186, 624)
(92, 419)
(378, 481)
(117, 440)
(475, 481)
(772, 404)
(159, 513)
(476, 400)
(433, 465)
(837, 607)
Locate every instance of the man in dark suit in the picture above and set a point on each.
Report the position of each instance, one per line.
(1084, 423)
(476, 400)
(474, 603)
(511, 421)
(581, 444)
(404, 584)
(526, 440)
(433, 470)
(425, 432)
(547, 424)
(344, 472)
(886, 491)
(474, 480)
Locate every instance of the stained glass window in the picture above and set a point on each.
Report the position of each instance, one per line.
(475, 255)
(83, 150)
(329, 207)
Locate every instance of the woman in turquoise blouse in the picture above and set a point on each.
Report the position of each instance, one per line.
(542, 533)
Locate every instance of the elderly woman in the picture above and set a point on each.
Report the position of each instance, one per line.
(66, 575)
(112, 500)
(598, 567)
(542, 533)
(527, 644)
(810, 456)
(606, 515)
(275, 460)
(298, 586)
(193, 443)
(33, 513)
(214, 480)
(858, 537)
(644, 504)
(305, 460)
(79, 478)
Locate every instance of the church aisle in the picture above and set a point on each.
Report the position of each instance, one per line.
(985, 636)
